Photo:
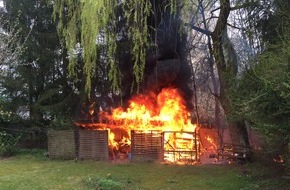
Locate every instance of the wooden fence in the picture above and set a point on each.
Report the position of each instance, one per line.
(61, 144)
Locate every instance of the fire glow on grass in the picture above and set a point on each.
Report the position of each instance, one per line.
(164, 112)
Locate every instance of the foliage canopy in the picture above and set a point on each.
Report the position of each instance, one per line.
(89, 26)
(264, 89)
(115, 39)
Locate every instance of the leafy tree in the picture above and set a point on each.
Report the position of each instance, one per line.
(36, 84)
(8, 58)
(264, 88)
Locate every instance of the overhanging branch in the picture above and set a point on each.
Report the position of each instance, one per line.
(206, 32)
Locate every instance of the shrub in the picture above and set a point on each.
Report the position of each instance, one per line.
(107, 183)
(7, 143)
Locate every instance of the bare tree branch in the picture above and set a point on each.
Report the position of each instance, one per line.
(233, 26)
(206, 32)
(216, 9)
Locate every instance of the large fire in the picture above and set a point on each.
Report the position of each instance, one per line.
(164, 112)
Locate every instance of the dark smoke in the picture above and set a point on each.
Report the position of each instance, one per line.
(166, 62)
(167, 65)
(164, 73)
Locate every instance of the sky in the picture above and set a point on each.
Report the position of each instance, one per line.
(1, 3)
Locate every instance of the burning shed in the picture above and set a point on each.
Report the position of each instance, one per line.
(153, 127)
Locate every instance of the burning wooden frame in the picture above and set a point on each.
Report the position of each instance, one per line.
(150, 127)
(181, 147)
(169, 146)
(146, 145)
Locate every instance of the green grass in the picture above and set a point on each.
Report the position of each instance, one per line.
(33, 171)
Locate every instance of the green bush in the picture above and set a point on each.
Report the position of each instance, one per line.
(61, 122)
(7, 143)
(107, 183)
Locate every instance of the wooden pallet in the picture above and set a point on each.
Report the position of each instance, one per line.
(146, 145)
(61, 144)
(93, 144)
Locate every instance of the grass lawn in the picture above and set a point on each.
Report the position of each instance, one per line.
(35, 171)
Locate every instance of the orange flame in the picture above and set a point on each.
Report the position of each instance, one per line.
(211, 141)
(164, 112)
(167, 111)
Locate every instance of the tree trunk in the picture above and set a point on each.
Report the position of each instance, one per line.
(213, 78)
(227, 74)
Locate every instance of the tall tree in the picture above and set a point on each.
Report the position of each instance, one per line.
(225, 58)
(264, 88)
(37, 83)
(227, 71)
